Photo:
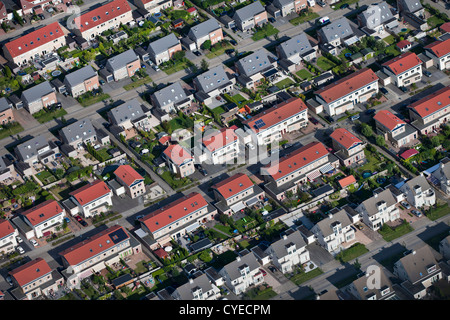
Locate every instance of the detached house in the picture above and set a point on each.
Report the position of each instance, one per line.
(177, 218)
(418, 271)
(441, 177)
(36, 150)
(122, 66)
(297, 49)
(95, 253)
(379, 209)
(24, 49)
(164, 48)
(92, 198)
(254, 67)
(44, 218)
(290, 6)
(79, 134)
(342, 95)
(236, 193)
(8, 234)
(242, 273)
(306, 163)
(212, 83)
(430, 112)
(337, 33)
(106, 17)
(250, 16)
(81, 81)
(334, 231)
(444, 247)
(131, 180)
(34, 280)
(219, 147)
(208, 30)
(6, 112)
(349, 149)
(404, 69)
(199, 288)
(179, 160)
(172, 98)
(270, 125)
(378, 19)
(38, 97)
(153, 6)
(439, 51)
(392, 128)
(288, 252)
(418, 192)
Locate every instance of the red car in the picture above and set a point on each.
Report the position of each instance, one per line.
(78, 218)
(263, 272)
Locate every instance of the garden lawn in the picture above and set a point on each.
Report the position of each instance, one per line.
(177, 67)
(434, 21)
(304, 17)
(440, 211)
(86, 102)
(218, 111)
(304, 74)
(258, 294)
(390, 234)
(302, 277)
(337, 6)
(351, 253)
(44, 116)
(325, 64)
(389, 39)
(45, 177)
(285, 83)
(137, 83)
(168, 177)
(265, 31)
(10, 129)
(219, 51)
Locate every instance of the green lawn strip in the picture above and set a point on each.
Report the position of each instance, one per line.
(285, 83)
(86, 102)
(325, 64)
(304, 74)
(388, 233)
(43, 116)
(305, 17)
(175, 68)
(173, 182)
(137, 83)
(265, 31)
(10, 129)
(436, 213)
(351, 253)
(218, 111)
(258, 294)
(302, 277)
(45, 177)
(337, 6)
(219, 51)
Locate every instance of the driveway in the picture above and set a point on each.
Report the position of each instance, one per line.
(25, 119)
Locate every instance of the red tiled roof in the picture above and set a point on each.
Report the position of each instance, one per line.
(344, 182)
(172, 212)
(344, 137)
(402, 44)
(297, 159)
(445, 27)
(164, 139)
(403, 62)
(276, 114)
(127, 174)
(43, 211)
(30, 271)
(98, 16)
(91, 247)
(161, 253)
(388, 119)
(90, 192)
(432, 103)
(6, 228)
(440, 48)
(347, 85)
(34, 39)
(409, 153)
(233, 185)
(220, 139)
(191, 9)
(177, 154)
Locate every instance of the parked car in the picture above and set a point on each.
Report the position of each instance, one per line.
(229, 51)
(383, 90)
(202, 171)
(406, 205)
(272, 269)
(355, 117)
(66, 219)
(197, 53)
(313, 120)
(370, 111)
(34, 243)
(19, 239)
(404, 89)
(272, 20)
(329, 119)
(20, 249)
(322, 4)
(416, 213)
(233, 42)
(359, 226)
(9, 280)
(427, 73)
(344, 6)
(139, 216)
(264, 273)
(41, 16)
(156, 68)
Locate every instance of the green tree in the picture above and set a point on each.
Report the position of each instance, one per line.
(206, 45)
(379, 140)
(204, 65)
(366, 130)
(7, 71)
(18, 18)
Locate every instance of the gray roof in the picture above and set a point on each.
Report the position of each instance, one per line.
(412, 5)
(121, 60)
(366, 291)
(171, 94)
(163, 44)
(281, 3)
(4, 104)
(212, 79)
(203, 29)
(371, 203)
(416, 263)
(130, 110)
(280, 247)
(254, 63)
(249, 11)
(232, 269)
(31, 147)
(299, 44)
(81, 129)
(326, 225)
(377, 14)
(186, 291)
(420, 181)
(79, 76)
(337, 29)
(37, 92)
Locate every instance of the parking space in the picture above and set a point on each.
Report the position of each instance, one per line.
(406, 214)
(360, 237)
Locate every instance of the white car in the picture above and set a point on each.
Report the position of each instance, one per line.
(20, 249)
(9, 280)
(405, 204)
(19, 239)
(34, 242)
